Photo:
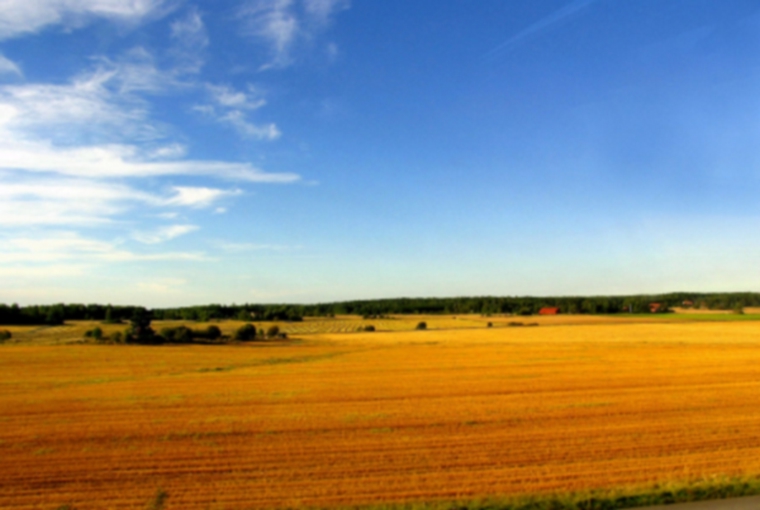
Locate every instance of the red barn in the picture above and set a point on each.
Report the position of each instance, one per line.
(549, 310)
(655, 307)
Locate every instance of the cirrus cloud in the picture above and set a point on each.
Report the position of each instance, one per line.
(281, 24)
(9, 67)
(163, 234)
(22, 17)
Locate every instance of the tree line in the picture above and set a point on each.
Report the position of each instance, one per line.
(56, 314)
(488, 305)
(529, 305)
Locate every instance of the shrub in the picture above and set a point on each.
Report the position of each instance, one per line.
(5, 335)
(273, 332)
(369, 327)
(490, 324)
(213, 332)
(178, 335)
(421, 325)
(95, 333)
(116, 337)
(245, 333)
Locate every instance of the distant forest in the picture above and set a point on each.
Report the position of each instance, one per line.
(58, 313)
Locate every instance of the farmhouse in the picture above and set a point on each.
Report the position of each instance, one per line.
(655, 307)
(549, 310)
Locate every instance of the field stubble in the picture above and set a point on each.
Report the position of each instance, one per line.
(341, 419)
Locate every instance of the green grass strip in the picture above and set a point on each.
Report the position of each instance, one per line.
(661, 494)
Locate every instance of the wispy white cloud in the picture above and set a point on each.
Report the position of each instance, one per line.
(198, 196)
(190, 31)
(42, 272)
(247, 247)
(163, 234)
(120, 161)
(170, 286)
(229, 106)
(273, 22)
(101, 106)
(557, 17)
(8, 66)
(231, 98)
(322, 11)
(62, 202)
(105, 103)
(191, 39)
(65, 246)
(88, 155)
(332, 52)
(65, 201)
(237, 119)
(85, 101)
(281, 24)
(136, 72)
(172, 151)
(21, 17)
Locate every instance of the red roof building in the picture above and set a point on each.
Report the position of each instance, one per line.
(655, 307)
(549, 310)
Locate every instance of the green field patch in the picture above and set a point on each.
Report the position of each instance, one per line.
(611, 499)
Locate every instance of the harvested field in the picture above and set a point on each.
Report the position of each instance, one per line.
(73, 332)
(335, 419)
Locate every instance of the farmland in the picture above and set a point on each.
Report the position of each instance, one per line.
(333, 417)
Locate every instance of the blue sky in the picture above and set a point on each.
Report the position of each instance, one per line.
(166, 153)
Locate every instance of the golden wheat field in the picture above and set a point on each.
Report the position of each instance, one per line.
(335, 419)
(73, 331)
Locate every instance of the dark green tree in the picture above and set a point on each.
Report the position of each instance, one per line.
(139, 331)
(55, 315)
(245, 333)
